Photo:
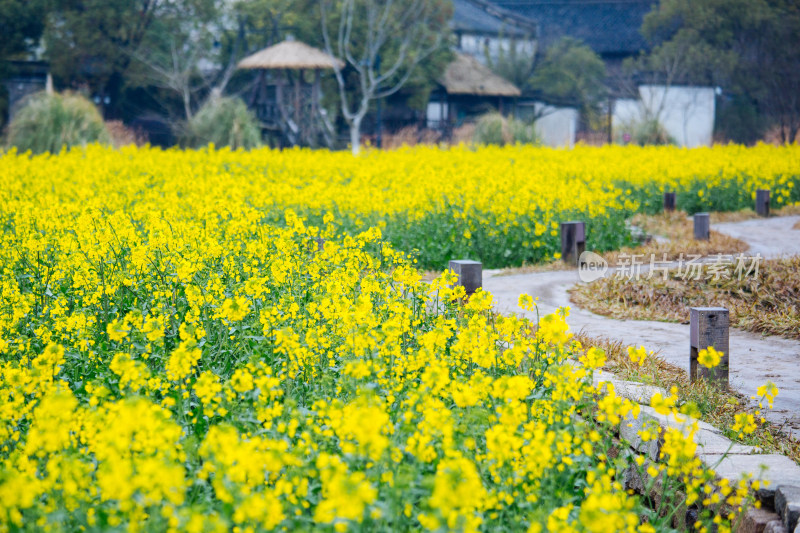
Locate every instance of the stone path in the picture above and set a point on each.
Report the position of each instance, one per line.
(770, 237)
(754, 359)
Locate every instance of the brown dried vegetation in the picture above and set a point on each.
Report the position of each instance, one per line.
(768, 302)
(677, 237)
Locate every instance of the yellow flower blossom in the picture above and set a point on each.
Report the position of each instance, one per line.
(709, 357)
(637, 355)
(216, 340)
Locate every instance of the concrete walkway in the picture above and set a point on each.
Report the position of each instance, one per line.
(770, 237)
(754, 359)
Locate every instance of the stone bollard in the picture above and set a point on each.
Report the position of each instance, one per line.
(470, 274)
(669, 201)
(573, 241)
(762, 202)
(708, 326)
(702, 226)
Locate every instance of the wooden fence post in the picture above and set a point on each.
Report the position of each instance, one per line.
(709, 326)
(669, 201)
(702, 226)
(573, 241)
(762, 202)
(470, 274)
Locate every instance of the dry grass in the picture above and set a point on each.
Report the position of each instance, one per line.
(788, 210)
(796, 225)
(679, 230)
(766, 303)
(733, 216)
(717, 407)
(552, 266)
(430, 275)
(411, 136)
(121, 135)
(749, 214)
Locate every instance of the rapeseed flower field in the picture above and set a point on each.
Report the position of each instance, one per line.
(215, 341)
(501, 206)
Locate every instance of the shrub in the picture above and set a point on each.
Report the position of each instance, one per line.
(523, 132)
(122, 135)
(224, 122)
(491, 129)
(495, 129)
(648, 131)
(50, 121)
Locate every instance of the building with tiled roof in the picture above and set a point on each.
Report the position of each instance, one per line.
(609, 27)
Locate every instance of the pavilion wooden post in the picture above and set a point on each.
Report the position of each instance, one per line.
(315, 93)
(297, 77)
(279, 94)
(256, 88)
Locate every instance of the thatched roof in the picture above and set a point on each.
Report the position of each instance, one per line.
(466, 75)
(291, 55)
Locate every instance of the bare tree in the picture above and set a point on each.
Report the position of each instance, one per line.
(187, 61)
(745, 47)
(173, 69)
(382, 42)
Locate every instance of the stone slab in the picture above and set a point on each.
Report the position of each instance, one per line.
(710, 442)
(629, 430)
(776, 526)
(632, 390)
(709, 439)
(777, 469)
(684, 422)
(787, 504)
(756, 520)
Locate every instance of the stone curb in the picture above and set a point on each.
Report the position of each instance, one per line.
(780, 499)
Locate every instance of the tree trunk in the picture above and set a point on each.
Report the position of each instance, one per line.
(187, 103)
(355, 134)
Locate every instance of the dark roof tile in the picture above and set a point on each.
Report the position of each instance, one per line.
(482, 16)
(609, 27)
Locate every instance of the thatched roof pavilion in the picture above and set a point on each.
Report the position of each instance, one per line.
(287, 88)
(466, 75)
(290, 54)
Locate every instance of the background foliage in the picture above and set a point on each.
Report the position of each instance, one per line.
(223, 122)
(49, 122)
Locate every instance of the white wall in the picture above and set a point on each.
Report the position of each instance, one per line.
(436, 114)
(477, 45)
(556, 126)
(626, 110)
(687, 113)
